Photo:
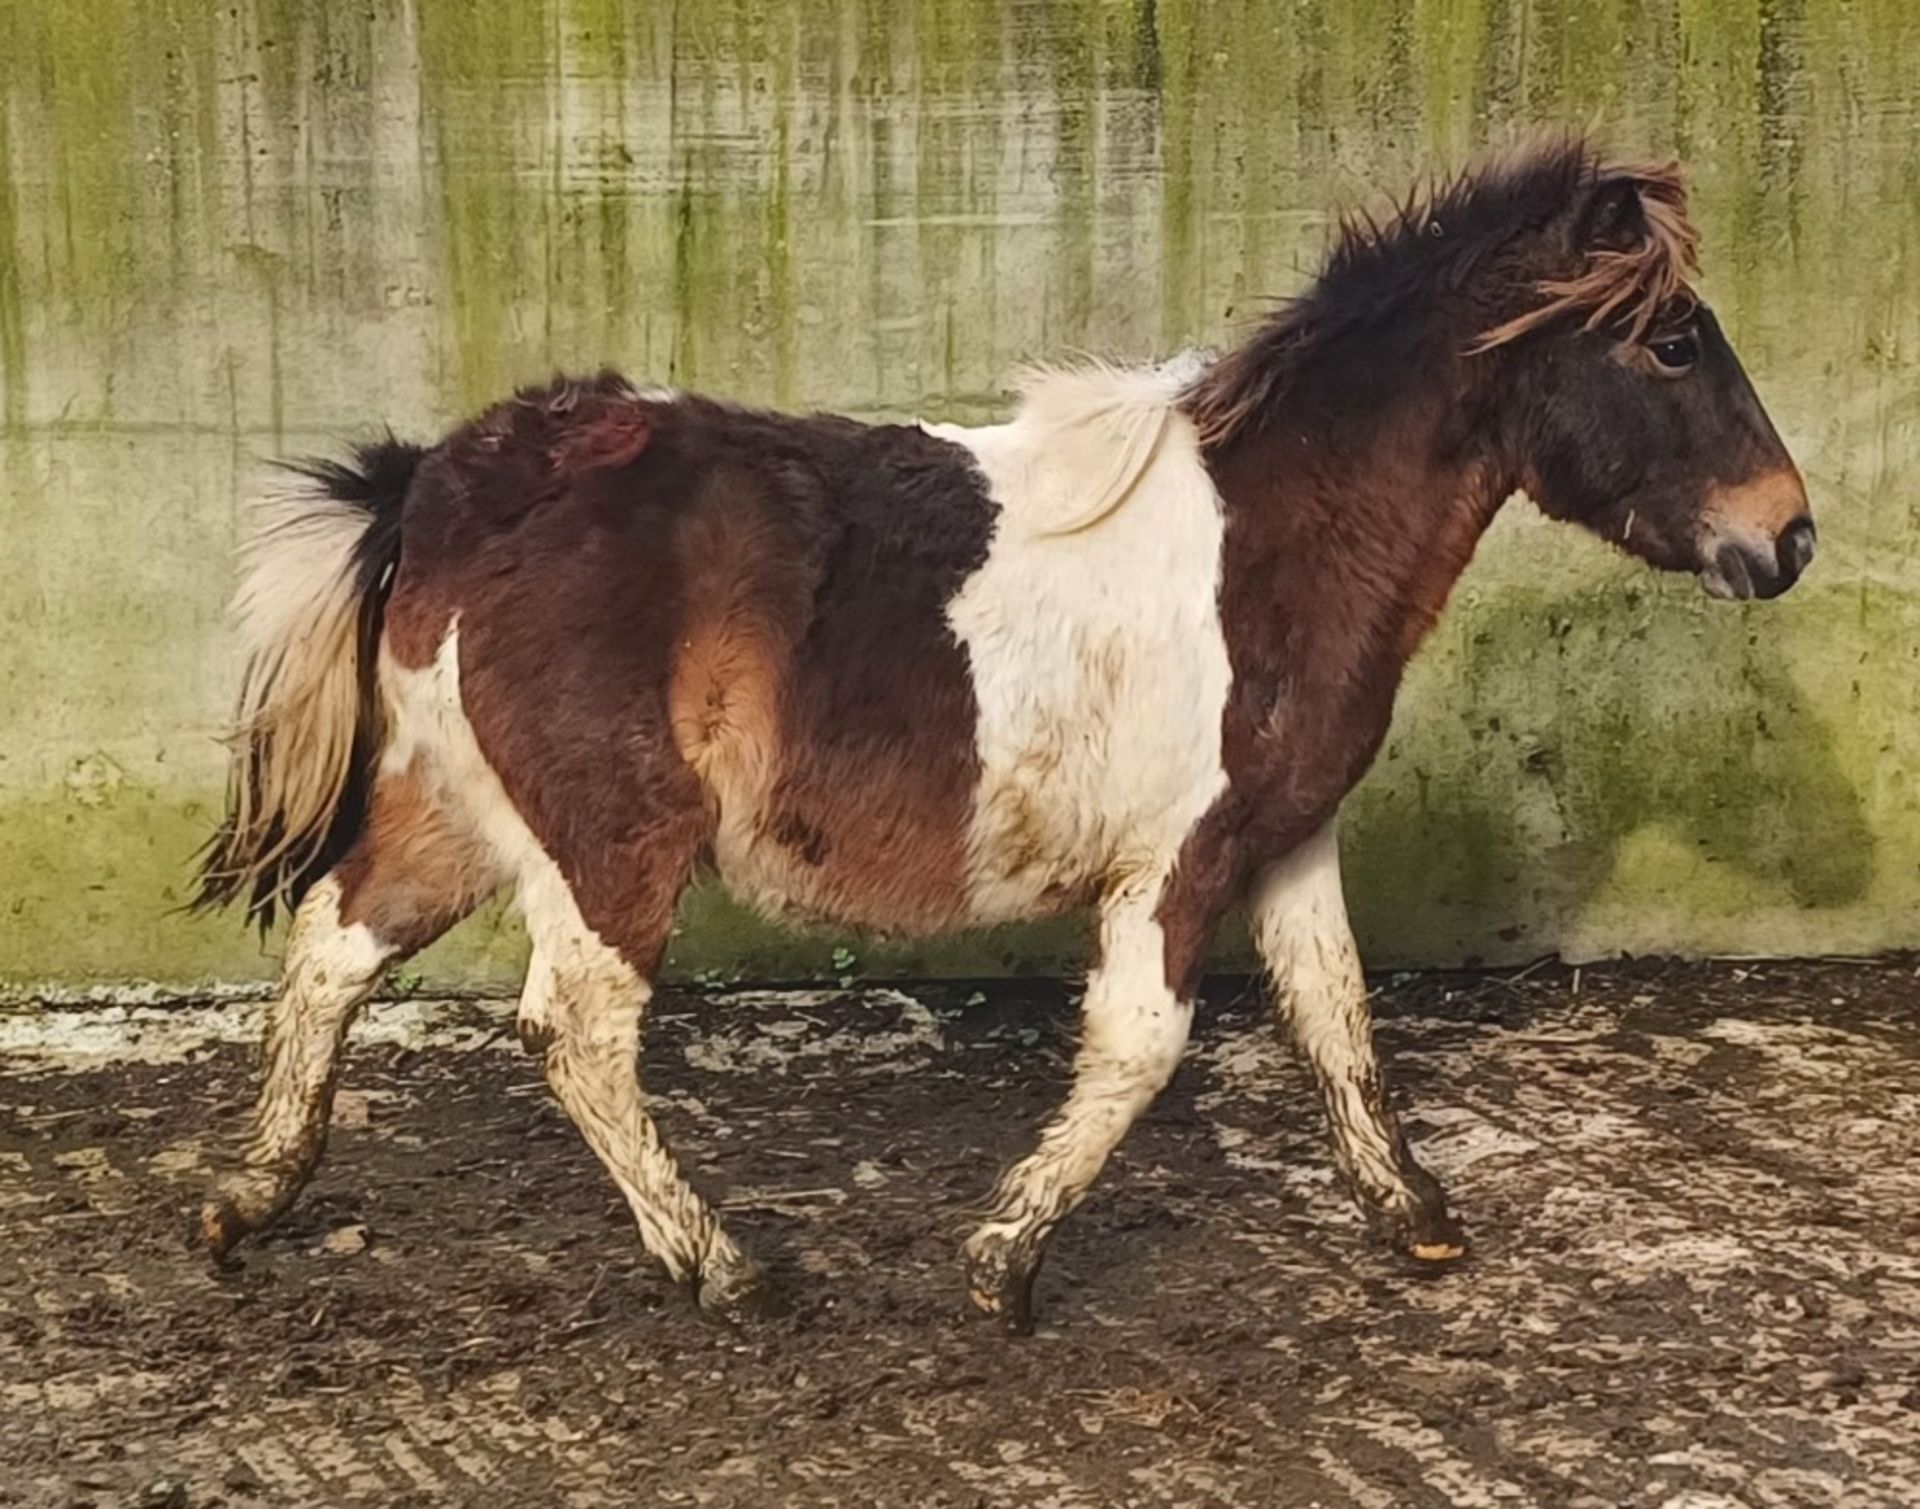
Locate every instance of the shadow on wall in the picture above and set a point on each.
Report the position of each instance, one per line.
(1544, 735)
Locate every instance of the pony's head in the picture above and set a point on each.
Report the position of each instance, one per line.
(1628, 411)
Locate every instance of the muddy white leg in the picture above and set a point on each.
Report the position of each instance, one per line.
(587, 1003)
(331, 970)
(1134, 1028)
(1300, 925)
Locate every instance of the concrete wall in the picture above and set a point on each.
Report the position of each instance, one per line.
(234, 230)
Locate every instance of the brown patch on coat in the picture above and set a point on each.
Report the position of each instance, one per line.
(865, 535)
(746, 599)
(686, 627)
(476, 489)
(416, 868)
(723, 707)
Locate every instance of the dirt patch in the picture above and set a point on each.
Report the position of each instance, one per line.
(1696, 1283)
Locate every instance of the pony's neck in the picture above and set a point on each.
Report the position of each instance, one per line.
(1348, 531)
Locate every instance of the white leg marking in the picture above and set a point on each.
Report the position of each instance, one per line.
(1300, 924)
(590, 1003)
(331, 970)
(1134, 1031)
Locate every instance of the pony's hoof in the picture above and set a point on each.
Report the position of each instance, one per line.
(1000, 1286)
(535, 1034)
(1428, 1236)
(1435, 1238)
(735, 1290)
(219, 1232)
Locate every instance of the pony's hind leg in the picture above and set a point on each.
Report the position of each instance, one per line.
(1300, 924)
(411, 874)
(582, 1011)
(331, 969)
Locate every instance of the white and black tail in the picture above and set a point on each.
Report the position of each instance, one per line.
(315, 572)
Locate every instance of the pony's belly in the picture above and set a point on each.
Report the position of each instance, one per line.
(849, 890)
(1015, 882)
(777, 886)
(1055, 844)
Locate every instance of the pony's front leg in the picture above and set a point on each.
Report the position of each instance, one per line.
(1300, 925)
(1134, 1028)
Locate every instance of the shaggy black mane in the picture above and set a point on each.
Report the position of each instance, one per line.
(1423, 260)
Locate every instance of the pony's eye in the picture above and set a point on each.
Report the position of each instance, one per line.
(1676, 354)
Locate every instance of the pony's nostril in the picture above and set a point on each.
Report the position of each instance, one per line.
(1795, 549)
(1729, 575)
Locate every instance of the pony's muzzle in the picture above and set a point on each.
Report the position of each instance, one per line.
(1742, 566)
(1760, 537)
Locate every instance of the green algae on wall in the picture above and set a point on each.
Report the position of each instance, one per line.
(228, 232)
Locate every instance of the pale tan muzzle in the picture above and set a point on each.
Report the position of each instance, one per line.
(1758, 536)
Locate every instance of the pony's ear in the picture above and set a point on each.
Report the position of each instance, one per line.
(1612, 216)
(1619, 252)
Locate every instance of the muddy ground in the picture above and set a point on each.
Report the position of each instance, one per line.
(1694, 1192)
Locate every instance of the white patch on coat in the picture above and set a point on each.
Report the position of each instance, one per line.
(1085, 438)
(429, 737)
(1093, 632)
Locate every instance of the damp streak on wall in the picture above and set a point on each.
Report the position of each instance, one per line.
(237, 231)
